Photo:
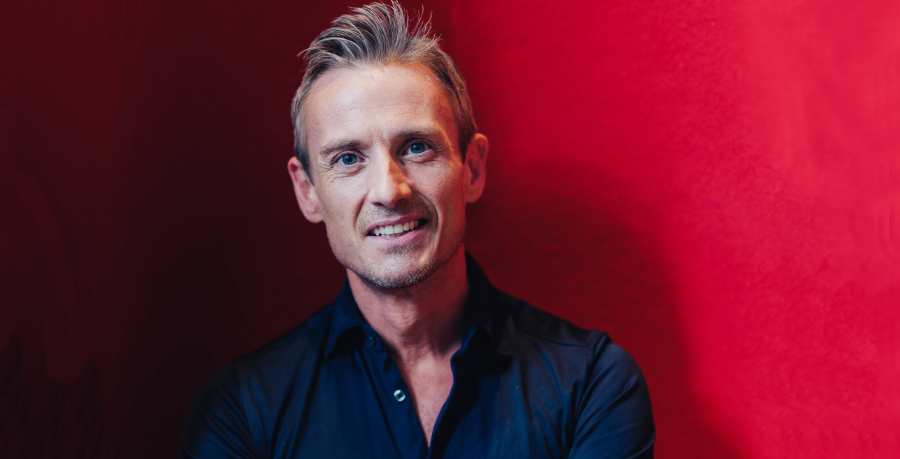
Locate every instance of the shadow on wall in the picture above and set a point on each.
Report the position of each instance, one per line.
(185, 339)
(574, 258)
(40, 416)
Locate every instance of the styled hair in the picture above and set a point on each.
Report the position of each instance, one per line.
(380, 34)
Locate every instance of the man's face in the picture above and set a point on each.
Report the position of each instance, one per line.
(388, 177)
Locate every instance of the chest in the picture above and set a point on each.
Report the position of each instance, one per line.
(429, 390)
(353, 416)
(352, 410)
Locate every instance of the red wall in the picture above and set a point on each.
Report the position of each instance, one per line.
(715, 183)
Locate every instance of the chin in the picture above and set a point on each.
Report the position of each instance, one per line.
(398, 280)
(402, 269)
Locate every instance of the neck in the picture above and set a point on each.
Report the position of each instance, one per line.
(422, 322)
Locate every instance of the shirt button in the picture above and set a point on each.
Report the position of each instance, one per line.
(399, 395)
(370, 340)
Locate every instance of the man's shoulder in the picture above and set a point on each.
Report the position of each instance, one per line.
(233, 404)
(518, 328)
(279, 362)
(300, 345)
(599, 378)
(537, 337)
(534, 324)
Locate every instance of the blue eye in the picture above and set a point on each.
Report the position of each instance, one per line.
(417, 148)
(349, 159)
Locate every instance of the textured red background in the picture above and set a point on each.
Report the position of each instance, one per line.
(715, 183)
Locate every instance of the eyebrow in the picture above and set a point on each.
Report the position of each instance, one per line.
(339, 145)
(418, 133)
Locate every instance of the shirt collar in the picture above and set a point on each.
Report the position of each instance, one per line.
(345, 317)
(484, 307)
(483, 310)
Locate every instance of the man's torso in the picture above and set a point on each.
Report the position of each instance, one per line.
(524, 384)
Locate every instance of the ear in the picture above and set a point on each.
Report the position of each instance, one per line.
(305, 191)
(474, 168)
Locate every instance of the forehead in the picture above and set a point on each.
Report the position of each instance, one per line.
(375, 102)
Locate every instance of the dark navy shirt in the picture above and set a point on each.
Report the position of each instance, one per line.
(526, 384)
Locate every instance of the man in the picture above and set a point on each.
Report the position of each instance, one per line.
(419, 356)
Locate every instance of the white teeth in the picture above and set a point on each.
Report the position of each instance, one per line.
(392, 230)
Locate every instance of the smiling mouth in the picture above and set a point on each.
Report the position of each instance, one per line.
(392, 231)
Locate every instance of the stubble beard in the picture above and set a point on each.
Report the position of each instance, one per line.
(395, 276)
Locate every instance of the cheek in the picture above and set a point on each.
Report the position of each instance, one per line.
(449, 197)
(337, 210)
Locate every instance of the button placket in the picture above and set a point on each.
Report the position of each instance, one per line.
(398, 406)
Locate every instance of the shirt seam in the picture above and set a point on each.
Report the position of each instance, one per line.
(543, 338)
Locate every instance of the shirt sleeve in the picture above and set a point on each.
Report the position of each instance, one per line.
(615, 420)
(216, 426)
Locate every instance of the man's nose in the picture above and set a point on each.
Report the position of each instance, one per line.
(390, 185)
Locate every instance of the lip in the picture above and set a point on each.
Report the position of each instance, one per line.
(396, 221)
(410, 237)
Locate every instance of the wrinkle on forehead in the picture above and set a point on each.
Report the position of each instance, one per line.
(343, 100)
(379, 107)
(394, 110)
